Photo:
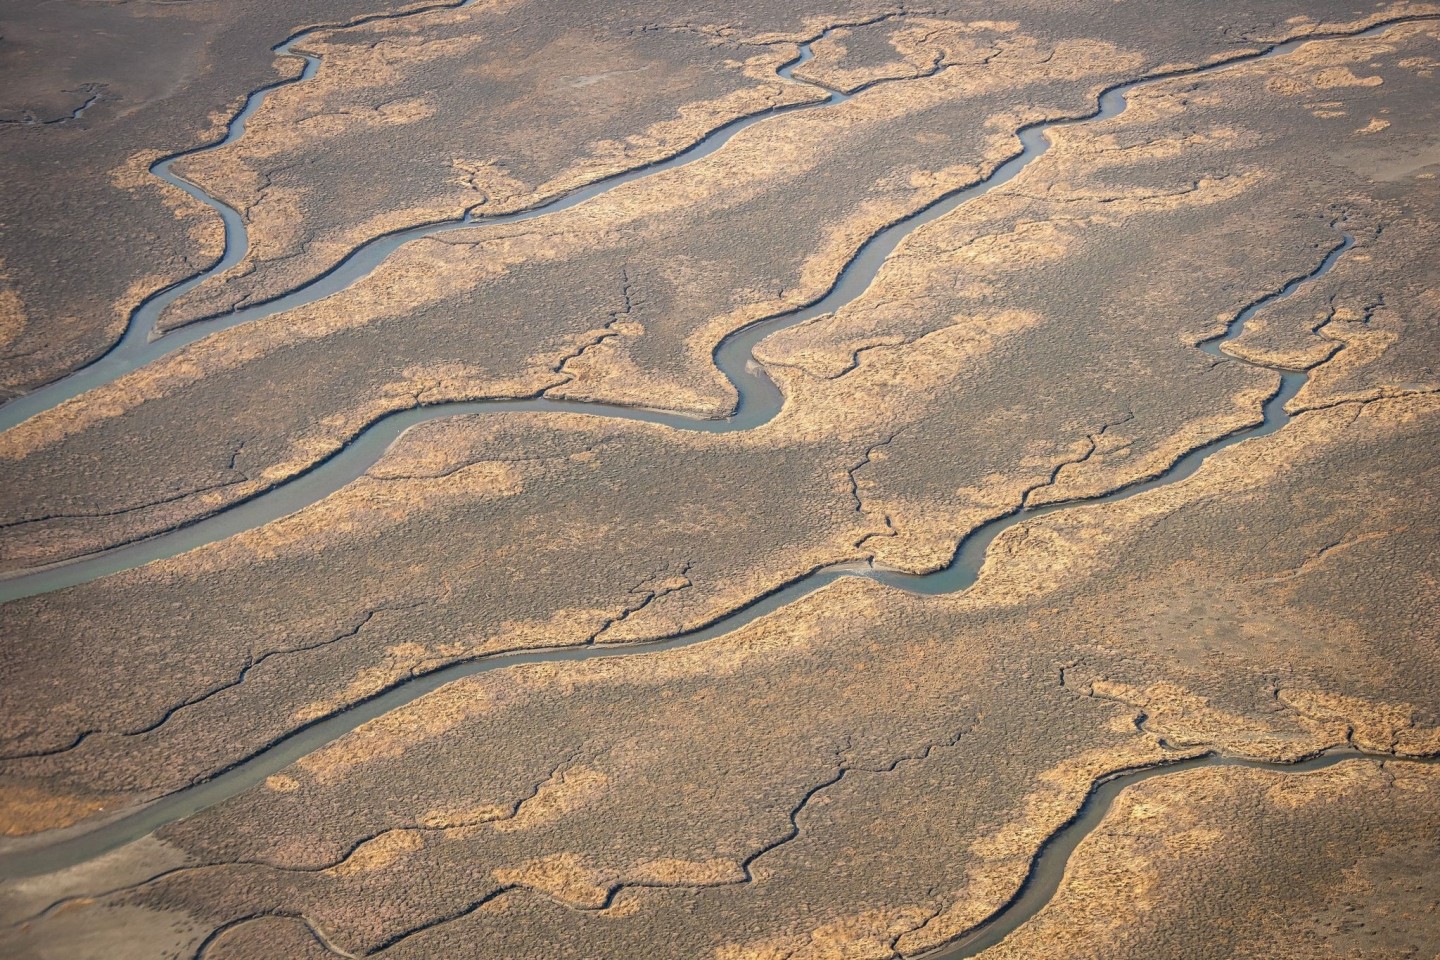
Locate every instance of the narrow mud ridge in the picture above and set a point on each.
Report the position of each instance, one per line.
(1047, 867)
(142, 343)
(758, 398)
(44, 853)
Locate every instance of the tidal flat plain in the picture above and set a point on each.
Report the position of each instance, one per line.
(506, 478)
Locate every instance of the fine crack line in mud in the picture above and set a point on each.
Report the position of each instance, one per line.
(859, 501)
(1375, 395)
(267, 183)
(1139, 198)
(962, 571)
(96, 93)
(1092, 444)
(648, 595)
(499, 816)
(746, 865)
(235, 458)
(605, 333)
(479, 461)
(122, 511)
(865, 461)
(1319, 556)
(251, 662)
(888, 342)
(1139, 716)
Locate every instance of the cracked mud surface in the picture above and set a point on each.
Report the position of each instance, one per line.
(863, 771)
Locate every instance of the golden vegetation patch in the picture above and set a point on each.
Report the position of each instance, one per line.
(570, 790)
(390, 735)
(564, 876)
(12, 310)
(378, 854)
(282, 783)
(865, 935)
(27, 809)
(207, 231)
(672, 872)
(1370, 725)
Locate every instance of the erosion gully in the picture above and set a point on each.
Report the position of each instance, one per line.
(759, 400)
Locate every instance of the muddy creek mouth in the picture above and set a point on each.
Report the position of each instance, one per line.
(759, 401)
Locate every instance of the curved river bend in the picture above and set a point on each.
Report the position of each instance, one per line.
(760, 399)
(1047, 867)
(142, 343)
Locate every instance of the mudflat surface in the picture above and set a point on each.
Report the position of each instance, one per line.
(879, 764)
(94, 93)
(1358, 879)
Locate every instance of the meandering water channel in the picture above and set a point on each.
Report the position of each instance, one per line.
(143, 343)
(57, 851)
(759, 401)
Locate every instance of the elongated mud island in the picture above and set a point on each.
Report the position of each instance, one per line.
(518, 479)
